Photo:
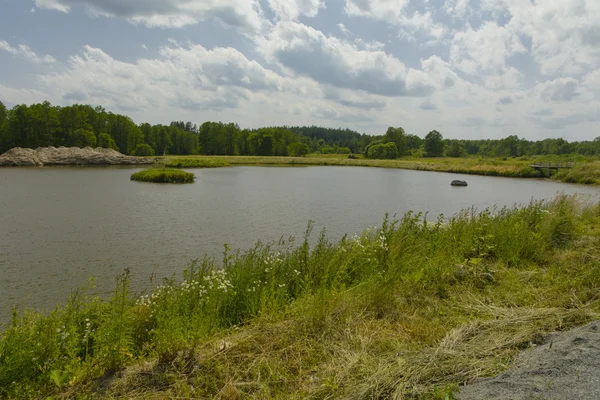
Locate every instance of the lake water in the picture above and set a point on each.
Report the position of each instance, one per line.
(60, 226)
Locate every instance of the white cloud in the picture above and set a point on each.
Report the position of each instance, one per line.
(349, 98)
(26, 52)
(420, 23)
(244, 14)
(510, 78)
(190, 77)
(14, 96)
(484, 50)
(386, 10)
(326, 59)
(394, 13)
(292, 9)
(565, 34)
(343, 29)
(457, 8)
(559, 90)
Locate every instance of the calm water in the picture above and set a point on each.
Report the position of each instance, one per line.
(59, 226)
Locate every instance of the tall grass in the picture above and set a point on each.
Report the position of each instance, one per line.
(409, 308)
(163, 175)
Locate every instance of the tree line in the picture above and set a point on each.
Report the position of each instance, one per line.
(42, 125)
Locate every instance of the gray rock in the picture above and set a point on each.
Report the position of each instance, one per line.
(41, 156)
(565, 366)
(459, 183)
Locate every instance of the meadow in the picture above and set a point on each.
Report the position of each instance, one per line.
(585, 171)
(411, 309)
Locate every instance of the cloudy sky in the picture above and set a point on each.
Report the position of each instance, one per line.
(468, 68)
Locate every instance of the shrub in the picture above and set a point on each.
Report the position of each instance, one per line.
(143, 150)
(383, 151)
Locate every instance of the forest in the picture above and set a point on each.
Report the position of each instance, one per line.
(41, 125)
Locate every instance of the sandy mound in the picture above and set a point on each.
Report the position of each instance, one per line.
(566, 366)
(68, 156)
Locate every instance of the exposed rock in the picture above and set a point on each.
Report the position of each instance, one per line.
(565, 366)
(67, 156)
(459, 183)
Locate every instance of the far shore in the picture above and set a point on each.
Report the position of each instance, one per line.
(585, 172)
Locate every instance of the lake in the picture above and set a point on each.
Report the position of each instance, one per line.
(60, 226)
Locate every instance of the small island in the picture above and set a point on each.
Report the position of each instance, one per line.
(163, 175)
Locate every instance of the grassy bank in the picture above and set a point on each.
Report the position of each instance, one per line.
(163, 175)
(192, 162)
(412, 308)
(586, 171)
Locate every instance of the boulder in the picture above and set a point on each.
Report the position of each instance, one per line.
(457, 182)
(68, 156)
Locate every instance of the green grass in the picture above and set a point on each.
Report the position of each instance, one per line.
(409, 309)
(163, 175)
(585, 173)
(587, 169)
(192, 162)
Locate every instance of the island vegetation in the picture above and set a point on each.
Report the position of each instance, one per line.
(413, 308)
(163, 175)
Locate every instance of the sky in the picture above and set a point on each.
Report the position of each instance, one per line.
(467, 68)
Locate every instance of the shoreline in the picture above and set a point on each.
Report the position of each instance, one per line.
(584, 173)
(367, 314)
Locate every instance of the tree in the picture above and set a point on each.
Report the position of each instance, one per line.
(413, 142)
(383, 151)
(456, 149)
(106, 142)
(4, 139)
(143, 150)
(83, 138)
(434, 144)
(398, 137)
(298, 149)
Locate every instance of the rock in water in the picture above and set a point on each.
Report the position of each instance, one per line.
(68, 156)
(459, 183)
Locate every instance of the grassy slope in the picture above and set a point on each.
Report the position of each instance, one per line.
(586, 171)
(412, 308)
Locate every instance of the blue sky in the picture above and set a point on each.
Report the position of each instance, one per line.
(468, 68)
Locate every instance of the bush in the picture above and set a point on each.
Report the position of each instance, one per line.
(298, 149)
(383, 151)
(143, 150)
(107, 142)
(163, 176)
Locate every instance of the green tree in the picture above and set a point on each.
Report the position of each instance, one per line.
(456, 149)
(143, 150)
(383, 151)
(105, 141)
(413, 142)
(434, 144)
(4, 140)
(298, 149)
(398, 137)
(83, 138)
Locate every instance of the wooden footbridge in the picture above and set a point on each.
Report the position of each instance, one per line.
(547, 168)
